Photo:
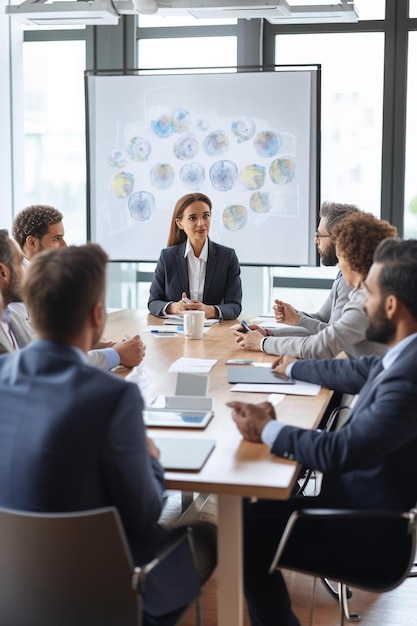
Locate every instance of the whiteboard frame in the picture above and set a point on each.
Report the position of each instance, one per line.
(282, 252)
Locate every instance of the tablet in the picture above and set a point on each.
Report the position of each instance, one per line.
(181, 454)
(252, 374)
(176, 418)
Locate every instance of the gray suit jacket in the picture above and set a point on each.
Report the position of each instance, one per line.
(347, 334)
(330, 311)
(24, 334)
(222, 286)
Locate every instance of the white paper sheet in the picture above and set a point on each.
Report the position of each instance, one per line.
(196, 366)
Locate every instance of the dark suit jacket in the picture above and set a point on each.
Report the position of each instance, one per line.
(72, 439)
(222, 286)
(368, 462)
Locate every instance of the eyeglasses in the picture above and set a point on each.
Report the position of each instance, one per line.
(318, 236)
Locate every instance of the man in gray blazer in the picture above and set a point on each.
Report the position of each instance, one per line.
(367, 463)
(38, 228)
(73, 436)
(331, 213)
(304, 324)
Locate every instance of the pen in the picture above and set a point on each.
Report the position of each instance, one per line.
(245, 327)
(164, 332)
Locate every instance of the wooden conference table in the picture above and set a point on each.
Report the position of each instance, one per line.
(236, 468)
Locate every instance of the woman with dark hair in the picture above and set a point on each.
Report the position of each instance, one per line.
(193, 272)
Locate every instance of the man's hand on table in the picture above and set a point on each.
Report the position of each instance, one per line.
(252, 418)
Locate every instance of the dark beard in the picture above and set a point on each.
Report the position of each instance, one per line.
(13, 293)
(329, 257)
(380, 328)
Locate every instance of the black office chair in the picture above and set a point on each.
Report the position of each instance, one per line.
(332, 421)
(71, 568)
(367, 574)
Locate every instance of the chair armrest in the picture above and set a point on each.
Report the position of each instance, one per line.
(353, 513)
(177, 537)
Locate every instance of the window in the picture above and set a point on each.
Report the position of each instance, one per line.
(190, 52)
(54, 131)
(410, 195)
(351, 118)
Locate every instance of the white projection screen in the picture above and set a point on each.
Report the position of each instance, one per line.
(247, 139)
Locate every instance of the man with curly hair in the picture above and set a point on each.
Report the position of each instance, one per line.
(38, 227)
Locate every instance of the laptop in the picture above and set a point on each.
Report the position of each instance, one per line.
(252, 374)
(183, 454)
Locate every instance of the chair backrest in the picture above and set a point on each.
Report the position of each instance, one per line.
(71, 569)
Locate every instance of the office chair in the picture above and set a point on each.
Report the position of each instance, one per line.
(71, 569)
(366, 574)
(331, 422)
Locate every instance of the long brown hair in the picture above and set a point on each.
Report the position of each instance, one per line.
(176, 235)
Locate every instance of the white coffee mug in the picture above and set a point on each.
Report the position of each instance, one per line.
(193, 324)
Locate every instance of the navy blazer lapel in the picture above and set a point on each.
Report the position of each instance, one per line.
(212, 261)
(368, 389)
(182, 267)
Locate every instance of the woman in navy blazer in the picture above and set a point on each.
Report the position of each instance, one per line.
(193, 272)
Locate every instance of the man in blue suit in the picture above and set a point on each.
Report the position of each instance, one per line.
(72, 436)
(366, 462)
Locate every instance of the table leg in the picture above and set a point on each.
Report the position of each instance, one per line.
(230, 561)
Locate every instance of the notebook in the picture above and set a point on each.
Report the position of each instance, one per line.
(251, 374)
(180, 453)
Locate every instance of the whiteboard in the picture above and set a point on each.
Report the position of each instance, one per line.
(249, 140)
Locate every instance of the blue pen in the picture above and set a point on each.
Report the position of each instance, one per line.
(245, 327)
(165, 333)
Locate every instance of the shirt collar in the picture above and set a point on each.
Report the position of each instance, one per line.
(393, 353)
(189, 250)
(81, 355)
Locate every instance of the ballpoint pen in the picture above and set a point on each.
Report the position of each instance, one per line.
(245, 327)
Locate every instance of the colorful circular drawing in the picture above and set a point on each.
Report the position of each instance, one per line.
(193, 175)
(216, 143)
(243, 128)
(163, 126)
(282, 171)
(139, 149)
(253, 176)
(162, 175)
(267, 143)
(117, 158)
(141, 206)
(181, 120)
(186, 147)
(122, 184)
(223, 175)
(235, 217)
(260, 202)
(202, 124)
